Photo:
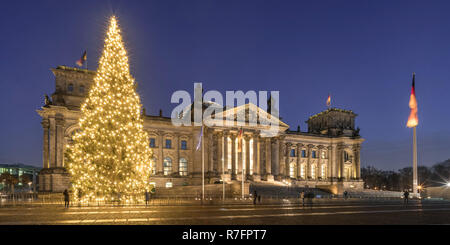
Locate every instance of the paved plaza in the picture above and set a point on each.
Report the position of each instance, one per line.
(333, 213)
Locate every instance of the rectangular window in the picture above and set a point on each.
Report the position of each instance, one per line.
(168, 144)
(302, 171)
(292, 153)
(183, 145)
(152, 142)
(313, 154)
(169, 185)
(303, 153)
(323, 154)
(313, 172)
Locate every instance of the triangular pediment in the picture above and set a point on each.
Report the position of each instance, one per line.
(248, 116)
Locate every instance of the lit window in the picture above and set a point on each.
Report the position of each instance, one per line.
(183, 145)
(292, 170)
(152, 142)
(167, 166)
(323, 154)
(169, 185)
(313, 172)
(323, 171)
(168, 144)
(183, 167)
(292, 153)
(302, 171)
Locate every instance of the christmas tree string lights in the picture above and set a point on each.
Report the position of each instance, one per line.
(110, 157)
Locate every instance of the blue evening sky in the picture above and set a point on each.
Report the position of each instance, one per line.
(362, 52)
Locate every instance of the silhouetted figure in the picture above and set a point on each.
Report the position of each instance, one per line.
(345, 195)
(302, 197)
(255, 196)
(66, 198)
(310, 199)
(406, 197)
(147, 197)
(259, 199)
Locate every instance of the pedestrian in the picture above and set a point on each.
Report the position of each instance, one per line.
(406, 196)
(345, 195)
(255, 196)
(302, 197)
(259, 199)
(147, 197)
(66, 198)
(310, 199)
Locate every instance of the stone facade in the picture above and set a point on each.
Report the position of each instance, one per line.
(327, 156)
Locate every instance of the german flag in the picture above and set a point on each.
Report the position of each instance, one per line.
(81, 61)
(413, 120)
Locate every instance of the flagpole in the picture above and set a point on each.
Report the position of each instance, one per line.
(203, 166)
(223, 170)
(414, 162)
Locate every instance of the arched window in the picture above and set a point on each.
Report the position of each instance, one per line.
(183, 167)
(167, 166)
(70, 88)
(292, 170)
(153, 166)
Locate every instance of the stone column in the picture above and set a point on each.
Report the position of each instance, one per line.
(299, 151)
(247, 156)
(275, 157)
(160, 160)
(176, 163)
(234, 161)
(308, 163)
(219, 158)
(335, 161)
(59, 142)
(257, 158)
(281, 158)
(340, 153)
(287, 156)
(210, 147)
(330, 162)
(225, 151)
(45, 160)
(268, 165)
(357, 161)
(52, 143)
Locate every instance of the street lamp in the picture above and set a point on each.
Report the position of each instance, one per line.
(448, 184)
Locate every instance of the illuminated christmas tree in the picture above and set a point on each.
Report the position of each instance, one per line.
(110, 155)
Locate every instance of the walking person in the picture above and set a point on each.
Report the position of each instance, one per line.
(406, 196)
(147, 197)
(302, 197)
(66, 198)
(345, 195)
(310, 199)
(255, 195)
